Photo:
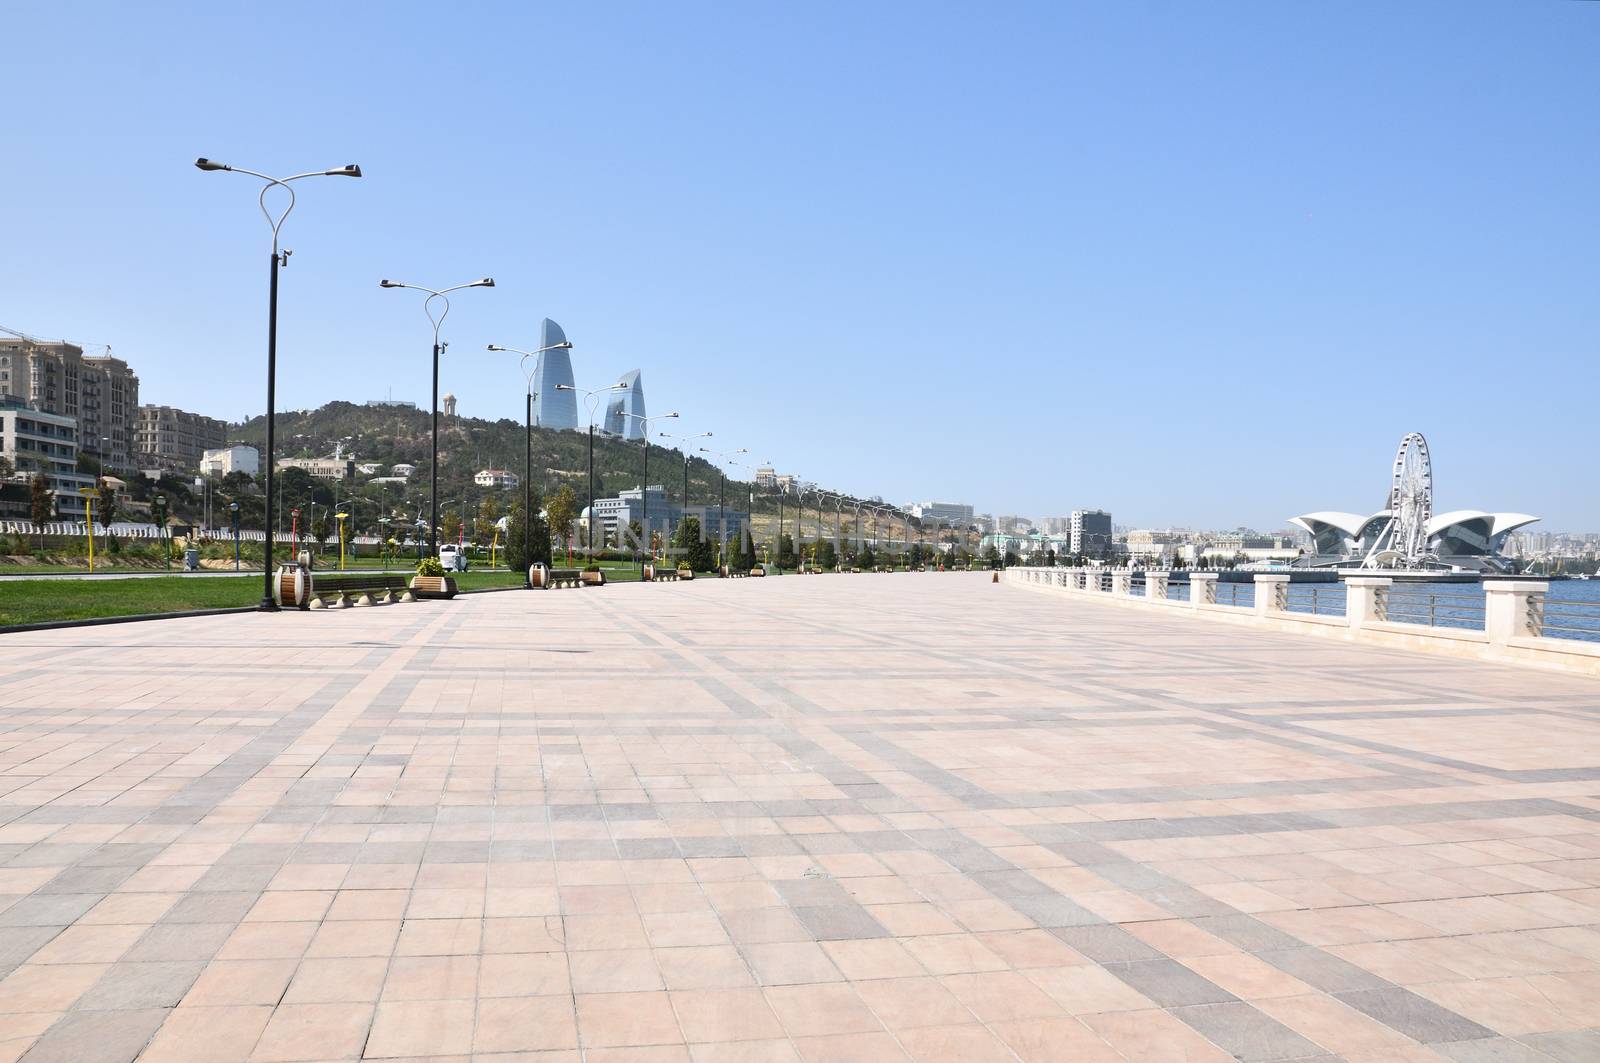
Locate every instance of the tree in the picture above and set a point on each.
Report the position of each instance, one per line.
(449, 527)
(868, 558)
(826, 556)
(695, 553)
(320, 530)
(991, 556)
(562, 510)
(106, 502)
(489, 514)
(786, 551)
(538, 538)
(747, 558)
(41, 504)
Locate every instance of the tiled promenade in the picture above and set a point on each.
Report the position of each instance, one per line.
(850, 818)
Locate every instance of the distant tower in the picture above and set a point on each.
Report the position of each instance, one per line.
(626, 403)
(553, 408)
(449, 405)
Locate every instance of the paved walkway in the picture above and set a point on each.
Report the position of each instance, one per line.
(855, 818)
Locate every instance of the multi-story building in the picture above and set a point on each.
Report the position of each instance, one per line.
(625, 412)
(496, 478)
(99, 391)
(175, 440)
(224, 460)
(332, 467)
(1091, 532)
(944, 512)
(1056, 525)
(38, 442)
(629, 506)
(766, 476)
(554, 406)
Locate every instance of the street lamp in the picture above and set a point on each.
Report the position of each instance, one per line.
(233, 520)
(279, 258)
(527, 461)
(427, 308)
(750, 513)
(644, 479)
(722, 493)
(590, 397)
(384, 546)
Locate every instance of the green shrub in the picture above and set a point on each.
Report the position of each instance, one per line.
(430, 566)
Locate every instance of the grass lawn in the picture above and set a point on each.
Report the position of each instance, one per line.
(46, 601)
(42, 601)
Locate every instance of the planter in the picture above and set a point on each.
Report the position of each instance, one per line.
(758, 571)
(592, 579)
(724, 572)
(292, 587)
(686, 573)
(433, 586)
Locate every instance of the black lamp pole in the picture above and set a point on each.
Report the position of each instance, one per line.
(427, 308)
(527, 494)
(279, 258)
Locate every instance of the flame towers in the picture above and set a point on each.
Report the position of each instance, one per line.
(552, 408)
(624, 413)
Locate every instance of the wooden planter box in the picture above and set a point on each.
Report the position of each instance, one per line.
(593, 579)
(686, 573)
(433, 586)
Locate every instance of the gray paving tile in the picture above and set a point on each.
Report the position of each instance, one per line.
(1169, 983)
(134, 985)
(1247, 1033)
(96, 1037)
(1416, 1017)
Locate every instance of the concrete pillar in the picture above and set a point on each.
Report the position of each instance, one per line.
(1202, 589)
(1122, 583)
(1155, 584)
(1272, 593)
(1513, 608)
(1364, 599)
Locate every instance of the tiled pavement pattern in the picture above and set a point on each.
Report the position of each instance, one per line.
(855, 818)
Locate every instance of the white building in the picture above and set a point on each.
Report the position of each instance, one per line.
(402, 470)
(237, 458)
(47, 443)
(496, 478)
(368, 468)
(945, 512)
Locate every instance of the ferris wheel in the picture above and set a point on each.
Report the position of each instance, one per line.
(1404, 540)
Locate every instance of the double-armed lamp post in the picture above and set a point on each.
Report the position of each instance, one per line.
(590, 398)
(280, 257)
(527, 460)
(444, 310)
(644, 479)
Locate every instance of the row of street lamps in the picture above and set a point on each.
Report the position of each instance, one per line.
(436, 305)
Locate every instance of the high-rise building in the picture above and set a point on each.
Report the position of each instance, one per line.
(449, 404)
(626, 407)
(175, 440)
(100, 391)
(1091, 532)
(950, 512)
(47, 443)
(552, 407)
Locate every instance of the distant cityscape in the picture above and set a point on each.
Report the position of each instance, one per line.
(60, 401)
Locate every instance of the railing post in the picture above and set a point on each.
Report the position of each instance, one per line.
(1202, 589)
(1272, 593)
(1155, 584)
(1513, 608)
(1365, 600)
(1122, 583)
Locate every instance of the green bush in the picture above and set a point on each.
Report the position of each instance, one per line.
(430, 566)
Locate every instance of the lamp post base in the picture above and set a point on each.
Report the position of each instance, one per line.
(268, 606)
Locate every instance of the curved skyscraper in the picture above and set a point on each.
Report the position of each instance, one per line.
(552, 408)
(624, 403)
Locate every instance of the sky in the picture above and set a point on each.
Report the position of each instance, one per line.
(1197, 264)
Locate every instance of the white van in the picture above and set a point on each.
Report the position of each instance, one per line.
(452, 558)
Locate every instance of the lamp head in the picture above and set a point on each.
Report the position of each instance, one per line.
(494, 347)
(352, 170)
(487, 282)
(669, 415)
(208, 164)
(565, 387)
(390, 284)
(564, 345)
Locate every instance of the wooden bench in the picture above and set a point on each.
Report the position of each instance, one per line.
(656, 574)
(335, 590)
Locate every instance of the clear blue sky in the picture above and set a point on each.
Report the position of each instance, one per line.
(1194, 263)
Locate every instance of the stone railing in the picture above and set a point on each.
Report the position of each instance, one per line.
(1510, 629)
